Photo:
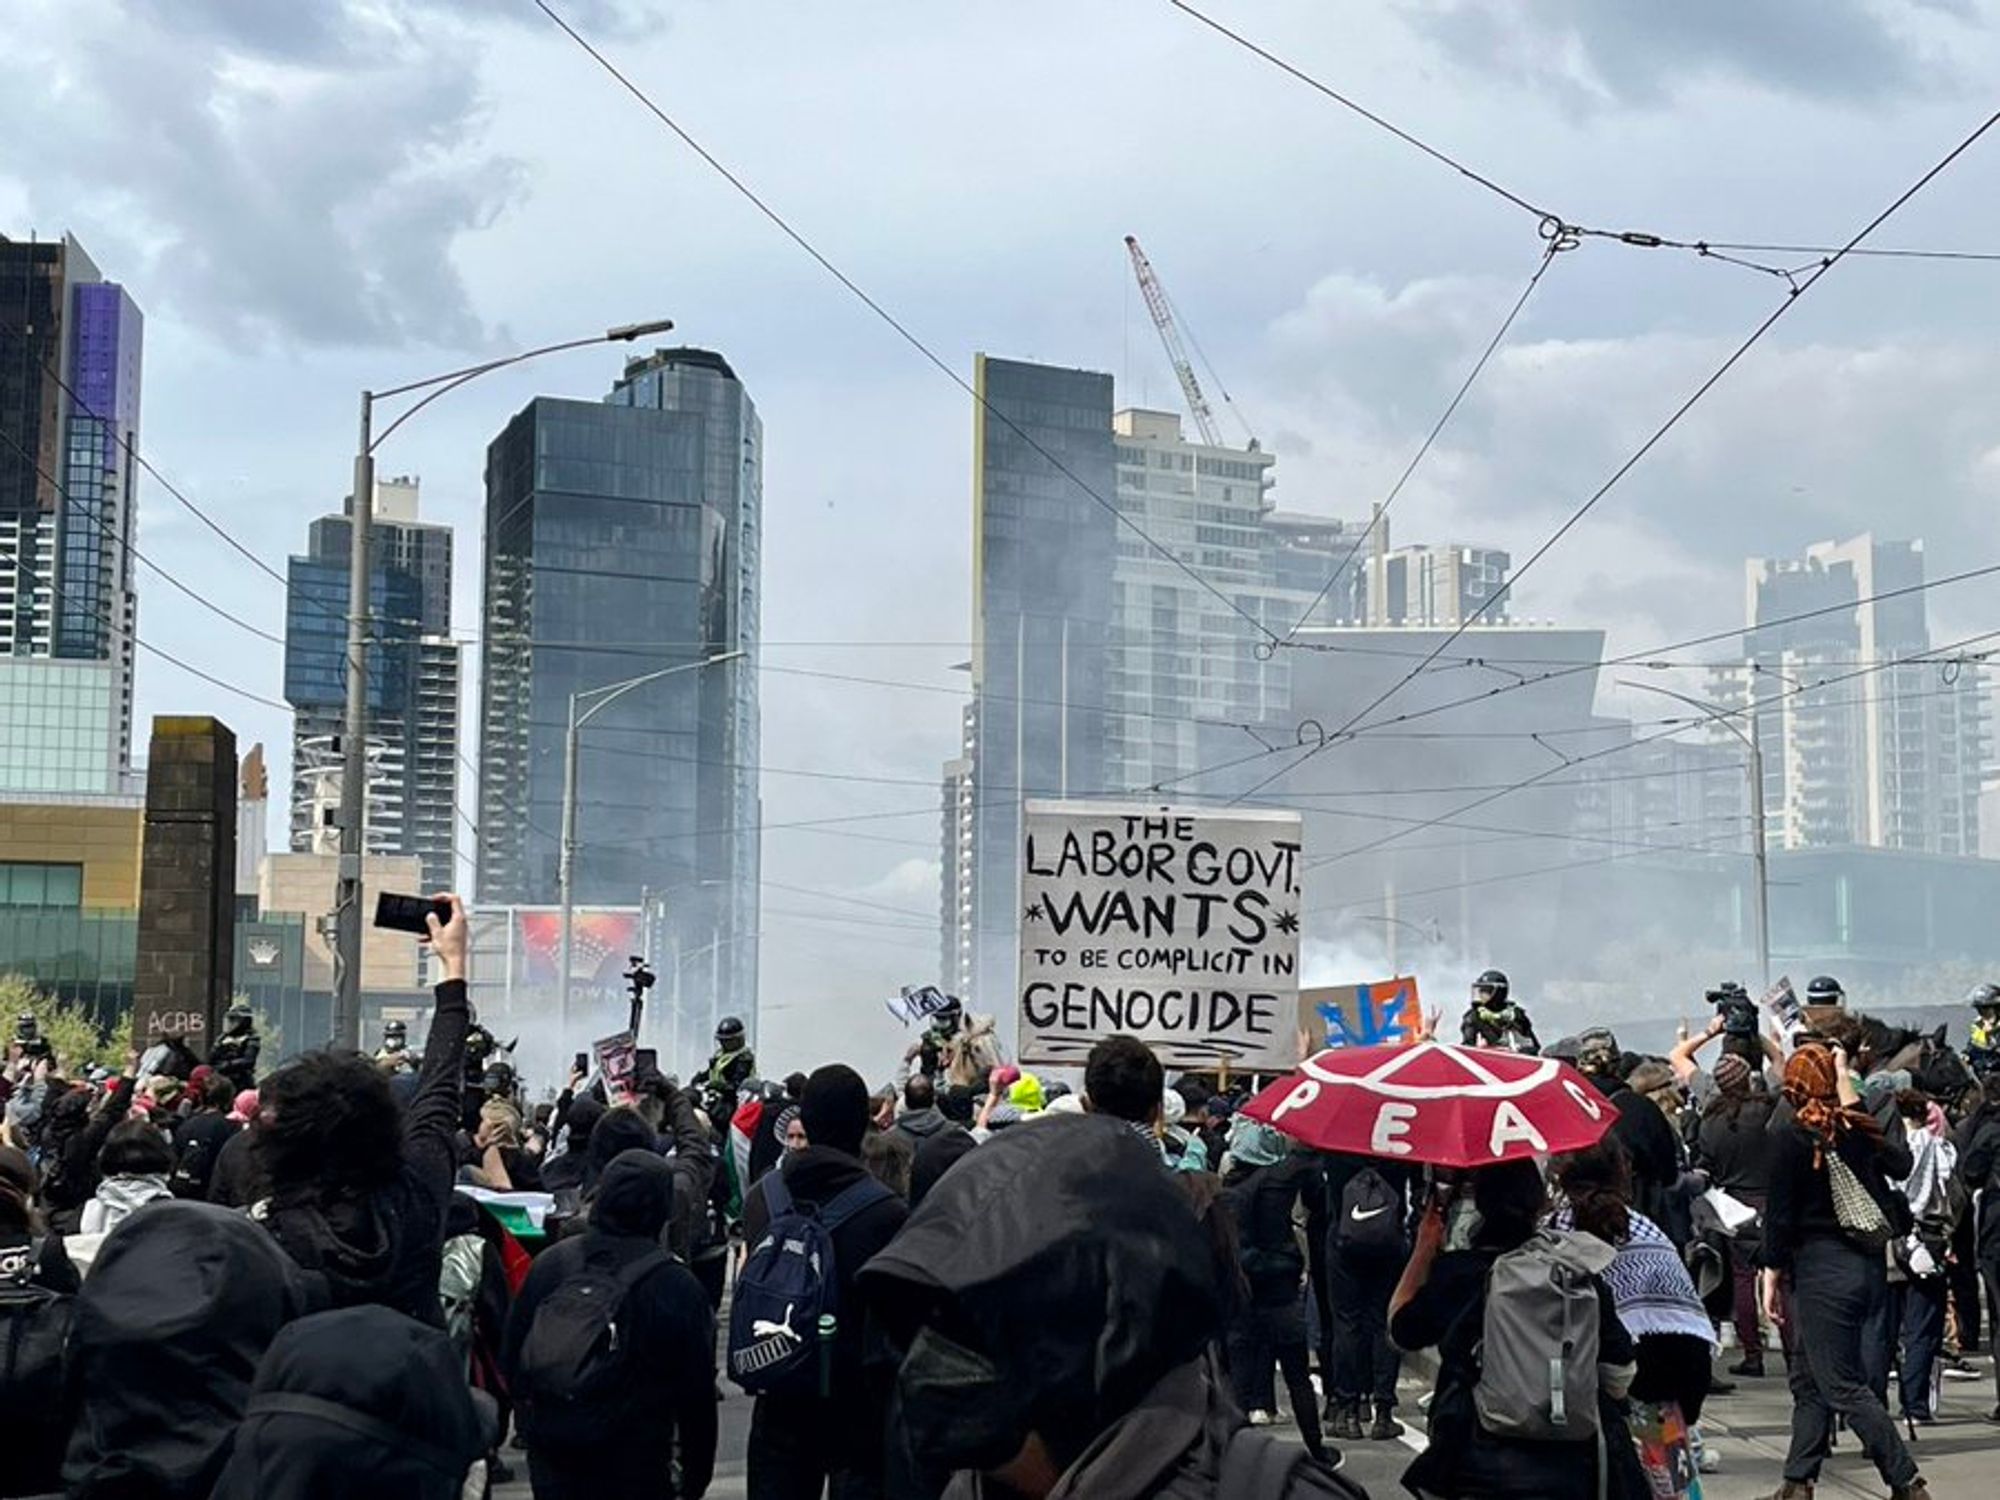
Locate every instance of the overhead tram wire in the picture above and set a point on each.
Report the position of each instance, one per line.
(104, 618)
(895, 324)
(1638, 239)
(206, 603)
(1380, 515)
(1658, 435)
(1754, 706)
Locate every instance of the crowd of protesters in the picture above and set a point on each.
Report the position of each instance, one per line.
(974, 1283)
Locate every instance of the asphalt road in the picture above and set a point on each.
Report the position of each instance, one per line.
(1747, 1430)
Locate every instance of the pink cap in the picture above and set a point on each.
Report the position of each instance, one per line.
(246, 1106)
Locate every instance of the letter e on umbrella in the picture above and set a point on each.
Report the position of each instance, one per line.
(1392, 1123)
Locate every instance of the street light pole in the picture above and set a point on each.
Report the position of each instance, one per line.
(1753, 742)
(354, 719)
(606, 695)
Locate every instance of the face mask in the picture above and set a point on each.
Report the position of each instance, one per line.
(955, 1409)
(1462, 1224)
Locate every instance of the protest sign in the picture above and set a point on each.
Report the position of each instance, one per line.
(618, 1059)
(917, 1003)
(1783, 1007)
(1383, 1014)
(1177, 925)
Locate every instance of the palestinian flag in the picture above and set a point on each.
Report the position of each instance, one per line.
(736, 1160)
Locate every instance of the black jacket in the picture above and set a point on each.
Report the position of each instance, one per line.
(198, 1144)
(1261, 1201)
(174, 1317)
(1065, 1254)
(1801, 1201)
(668, 1317)
(1978, 1141)
(387, 1247)
(816, 1176)
(1735, 1145)
(1448, 1314)
(75, 1176)
(1643, 1130)
(362, 1401)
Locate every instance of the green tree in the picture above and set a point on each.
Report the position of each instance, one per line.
(70, 1028)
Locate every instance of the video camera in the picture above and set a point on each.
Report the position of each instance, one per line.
(639, 979)
(28, 1037)
(1738, 1011)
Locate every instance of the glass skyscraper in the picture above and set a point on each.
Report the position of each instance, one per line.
(1042, 615)
(623, 537)
(413, 685)
(71, 344)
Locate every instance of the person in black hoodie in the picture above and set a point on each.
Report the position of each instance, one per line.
(1052, 1309)
(668, 1406)
(357, 1196)
(359, 1401)
(800, 1445)
(199, 1139)
(1642, 1129)
(179, 1307)
(1979, 1169)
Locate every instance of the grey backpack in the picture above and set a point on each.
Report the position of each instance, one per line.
(1538, 1345)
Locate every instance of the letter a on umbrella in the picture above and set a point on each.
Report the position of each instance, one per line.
(1436, 1104)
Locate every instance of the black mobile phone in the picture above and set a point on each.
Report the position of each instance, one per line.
(646, 1060)
(582, 1063)
(407, 913)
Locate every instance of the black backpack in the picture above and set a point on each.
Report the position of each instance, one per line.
(1260, 1465)
(787, 1295)
(1371, 1216)
(578, 1358)
(34, 1342)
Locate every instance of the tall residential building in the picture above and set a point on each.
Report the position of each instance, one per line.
(71, 345)
(957, 806)
(624, 537)
(1888, 759)
(1178, 654)
(1044, 483)
(413, 685)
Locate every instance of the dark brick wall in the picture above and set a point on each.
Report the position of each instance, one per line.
(187, 883)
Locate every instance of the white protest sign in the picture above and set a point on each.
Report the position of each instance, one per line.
(1177, 925)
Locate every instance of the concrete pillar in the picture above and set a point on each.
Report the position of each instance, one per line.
(187, 884)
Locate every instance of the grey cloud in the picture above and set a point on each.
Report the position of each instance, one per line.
(299, 179)
(1592, 54)
(324, 30)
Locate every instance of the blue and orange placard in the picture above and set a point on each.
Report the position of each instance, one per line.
(1383, 1014)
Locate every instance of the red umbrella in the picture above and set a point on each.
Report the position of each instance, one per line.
(1436, 1104)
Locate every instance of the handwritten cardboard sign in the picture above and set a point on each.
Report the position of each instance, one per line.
(1177, 925)
(1383, 1014)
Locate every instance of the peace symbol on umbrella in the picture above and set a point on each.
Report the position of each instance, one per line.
(1437, 1104)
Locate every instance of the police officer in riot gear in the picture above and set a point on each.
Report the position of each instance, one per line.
(1495, 1020)
(1982, 1047)
(234, 1054)
(1825, 990)
(730, 1066)
(396, 1056)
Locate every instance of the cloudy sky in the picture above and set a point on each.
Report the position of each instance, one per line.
(311, 198)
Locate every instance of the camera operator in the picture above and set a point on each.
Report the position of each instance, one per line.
(1736, 1025)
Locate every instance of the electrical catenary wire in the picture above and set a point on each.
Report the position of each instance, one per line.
(895, 324)
(1659, 433)
(1380, 515)
(112, 535)
(1754, 706)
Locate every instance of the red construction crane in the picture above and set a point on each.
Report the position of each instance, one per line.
(1170, 336)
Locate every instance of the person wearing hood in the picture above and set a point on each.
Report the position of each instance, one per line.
(170, 1326)
(801, 1444)
(1264, 1182)
(1023, 1303)
(35, 1274)
(73, 1135)
(663, 1410)
(199, 1139)
(237, 1181)
(356, 1401)
(357, 1193)
(1978, 1141)
(135, 1162)
(921, 1119)
(566, 1169)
